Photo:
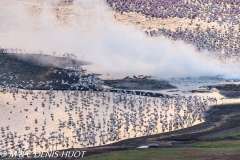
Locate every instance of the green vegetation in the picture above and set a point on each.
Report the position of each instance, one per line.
(218, 146)
(229, 135)
(194, 151)
(141, 154)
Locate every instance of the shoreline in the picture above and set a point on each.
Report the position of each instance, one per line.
(218, 118)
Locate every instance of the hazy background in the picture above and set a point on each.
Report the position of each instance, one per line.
(88, 29)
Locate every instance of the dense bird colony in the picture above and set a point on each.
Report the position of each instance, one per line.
(50, 120)
(224, 42)
(221, 36)
(90, 115)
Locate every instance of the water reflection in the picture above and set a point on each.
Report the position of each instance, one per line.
(50, 120)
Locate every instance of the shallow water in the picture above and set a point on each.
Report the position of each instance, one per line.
(73, 109)
(66, 119)
(71, 104)
(185, 88)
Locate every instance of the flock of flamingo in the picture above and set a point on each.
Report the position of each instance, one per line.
(35, 120)
(91, 115)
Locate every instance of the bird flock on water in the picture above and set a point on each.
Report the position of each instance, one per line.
(83, 118)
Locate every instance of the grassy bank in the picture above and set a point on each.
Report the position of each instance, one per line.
(228, 135)
(199, 150)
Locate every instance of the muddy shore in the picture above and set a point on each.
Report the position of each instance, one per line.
(20, 69)
(137, 83)
(23, 68)
(227, 90)
(218, 119)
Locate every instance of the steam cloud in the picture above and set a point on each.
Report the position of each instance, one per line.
(88, 29)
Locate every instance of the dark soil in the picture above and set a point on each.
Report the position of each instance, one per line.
(135, 83)
(200, 91)
(226, 87)
(36, 67)
(151, 94)
(227, 90)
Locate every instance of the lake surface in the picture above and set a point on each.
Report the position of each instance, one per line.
(50, 120)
